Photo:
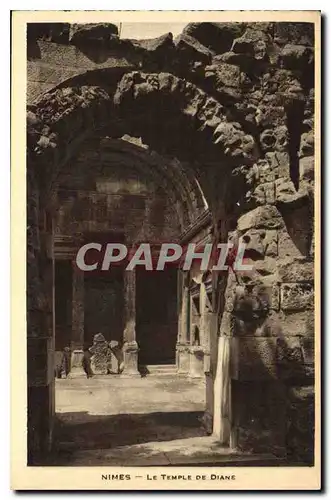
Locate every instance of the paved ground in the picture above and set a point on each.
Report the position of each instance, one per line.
(134, 422)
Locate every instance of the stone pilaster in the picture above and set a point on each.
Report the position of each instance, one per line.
(130, 346)
(222, 393)
(77, 338)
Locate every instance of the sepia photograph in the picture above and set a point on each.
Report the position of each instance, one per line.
(170, 305)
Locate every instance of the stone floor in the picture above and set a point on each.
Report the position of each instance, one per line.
(135, 422)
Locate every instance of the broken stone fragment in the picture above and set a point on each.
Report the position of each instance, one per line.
(307, 144)
(307, 168)
(158, 44)
(260, 242)
(32, 119)
(296, 56)
(253, 42)
(235, 142)
(101, 355)
(286, 193)
(190, 48)
(223, 74)
(296, 33)
(218, 37)
(263, 217)
(92, 32)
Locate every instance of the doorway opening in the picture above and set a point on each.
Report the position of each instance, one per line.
(156, 316)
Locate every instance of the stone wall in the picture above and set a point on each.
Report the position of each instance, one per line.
(234, 102)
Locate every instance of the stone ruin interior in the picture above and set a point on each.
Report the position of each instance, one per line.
(200, 138)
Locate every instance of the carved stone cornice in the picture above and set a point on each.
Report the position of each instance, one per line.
(200, 223)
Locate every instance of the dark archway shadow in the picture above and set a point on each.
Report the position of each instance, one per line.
(77, 431)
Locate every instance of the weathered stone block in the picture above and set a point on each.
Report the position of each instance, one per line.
(307, 168)
(296, 57)
(297, 323)
(307, 144)
(158, 45)
(264, 268)
(216, 36)
(279, 163)
(263, 194)
(190, 47)
(260, 242)
(297, 296)
(266, 217)
(296, 33)
(225, 74)
(196, 362)
(183, 359)
(235, 143)
(271, 243)
(296, 270)
(286, 87)
(265, 171)
(287, 194)
(253, 42)
(286, 246)
(270, 116)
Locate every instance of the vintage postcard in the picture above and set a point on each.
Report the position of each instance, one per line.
(166, 250)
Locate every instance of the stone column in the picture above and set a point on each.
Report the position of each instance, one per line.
(183, 360)
(77, 338)
(185, 316)
(130, 346)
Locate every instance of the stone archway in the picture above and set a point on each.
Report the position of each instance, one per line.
(59, 124)
(245, 127)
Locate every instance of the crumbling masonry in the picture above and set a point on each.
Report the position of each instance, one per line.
(218, 126)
